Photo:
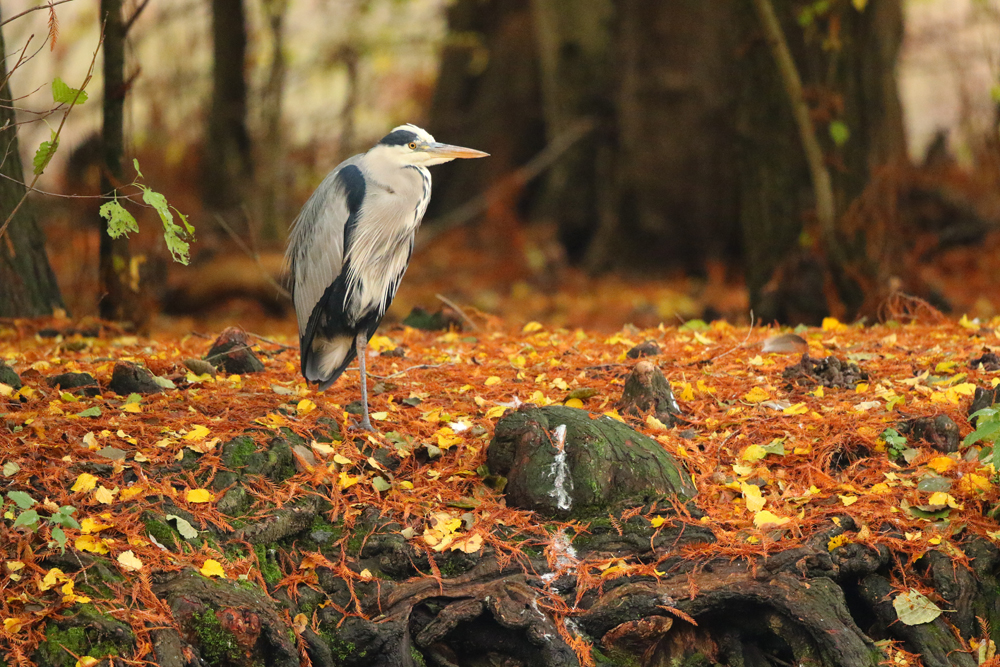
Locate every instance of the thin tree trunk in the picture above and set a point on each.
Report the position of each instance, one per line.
(118, 299)
(227, 166)
(28, 287)
(272, 177)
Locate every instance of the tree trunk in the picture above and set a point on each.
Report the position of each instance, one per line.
(227, 165)
(119, 295)
(695, 155)
(272, 179)
(28, 287)
(787, 275)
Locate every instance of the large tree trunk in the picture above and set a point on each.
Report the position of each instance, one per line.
(226, 162)
(695, 155)
(28, 287)
(119, 296)
(855, 85)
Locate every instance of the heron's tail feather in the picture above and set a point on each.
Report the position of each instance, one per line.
(327, 359)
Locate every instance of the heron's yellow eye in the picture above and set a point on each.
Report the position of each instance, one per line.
(413, 146)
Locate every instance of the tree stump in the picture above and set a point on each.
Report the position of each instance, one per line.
(562, 462)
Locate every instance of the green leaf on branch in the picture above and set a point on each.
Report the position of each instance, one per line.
(44, 154)
(120, 221)
(29, 518)
(172, 232)
(135, 163)
(839, 132)
(63, 94)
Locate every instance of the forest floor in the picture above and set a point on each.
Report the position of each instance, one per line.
(775, 454)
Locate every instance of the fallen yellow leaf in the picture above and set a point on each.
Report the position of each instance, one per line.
(212, 568)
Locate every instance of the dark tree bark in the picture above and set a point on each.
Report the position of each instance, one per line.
(695, 155)
(855, 85)
(227, 164)
(28, 287)
(118, 295)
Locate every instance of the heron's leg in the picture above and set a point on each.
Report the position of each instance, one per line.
(360, 344)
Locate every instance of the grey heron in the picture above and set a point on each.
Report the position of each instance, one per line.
(351, 244)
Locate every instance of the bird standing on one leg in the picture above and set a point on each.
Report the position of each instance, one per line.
(350, 247)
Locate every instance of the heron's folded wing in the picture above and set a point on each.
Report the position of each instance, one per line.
(316, 245)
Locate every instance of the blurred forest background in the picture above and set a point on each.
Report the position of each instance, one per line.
(647, 164)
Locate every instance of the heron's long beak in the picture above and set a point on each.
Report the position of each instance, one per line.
(449, 151)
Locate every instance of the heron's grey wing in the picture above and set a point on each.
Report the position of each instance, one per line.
(316, 245)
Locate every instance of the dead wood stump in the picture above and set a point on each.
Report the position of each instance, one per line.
(648, 392)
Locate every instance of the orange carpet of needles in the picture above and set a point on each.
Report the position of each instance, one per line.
(738, 405)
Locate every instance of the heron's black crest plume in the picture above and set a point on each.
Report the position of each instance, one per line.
(398, 138)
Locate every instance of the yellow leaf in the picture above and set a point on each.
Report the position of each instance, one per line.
(531, 327)
(967, 323)
(492, 380)
(941, 464)
(52, 578)
(880, 489)
(819, 393)
(13, 625)
(341, 460)
(833, 324)
(305, 406)
(381, 344)
(91, 544)
(212, 568)
(129, 561)
(191, 378)
(379, 416)
(614, 415)
(574, 403)
(752, 497)
(132, 407)
(847, 500)
(199, 496)
(495, 412)
(945, 367)
(756, 395)
(653, 422)
(88, 526)
(687, 392)
(754, 453)
(85, 482)
(346, 481)
(406, 485)
(766, 518)
(861, 388)
(199, 432)
(104, 495)
(837, 541)
(6, 390)
(657, 521)
(130, 492)
(973, 483)
(796, 409)
(469, 545)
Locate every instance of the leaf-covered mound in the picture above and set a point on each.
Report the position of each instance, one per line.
(239, 514)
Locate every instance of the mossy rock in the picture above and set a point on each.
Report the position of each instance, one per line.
(603, 464)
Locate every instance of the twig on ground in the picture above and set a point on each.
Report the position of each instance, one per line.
(407, 370)
(749, 331)
(451, 304)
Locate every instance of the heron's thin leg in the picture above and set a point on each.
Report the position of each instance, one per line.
(361, 343)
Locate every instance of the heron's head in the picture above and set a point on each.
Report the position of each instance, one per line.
(409, 145)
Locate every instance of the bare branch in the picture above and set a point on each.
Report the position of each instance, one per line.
(33, 9)
(517, 178)
(62, 123)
